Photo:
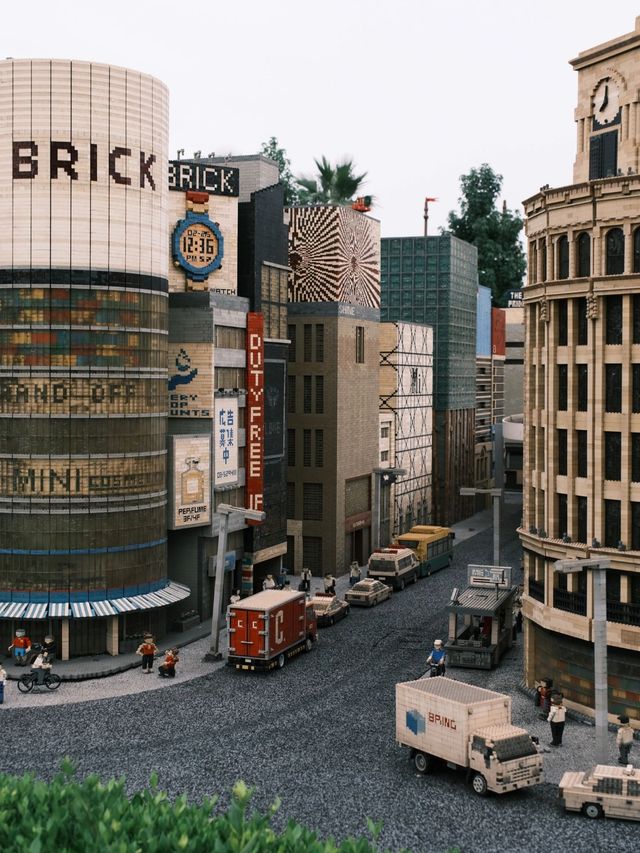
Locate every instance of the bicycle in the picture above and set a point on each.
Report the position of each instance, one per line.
(27, 681)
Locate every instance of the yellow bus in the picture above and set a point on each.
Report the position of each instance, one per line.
(433, 546)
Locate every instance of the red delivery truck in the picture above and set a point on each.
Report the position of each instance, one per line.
(267, 628)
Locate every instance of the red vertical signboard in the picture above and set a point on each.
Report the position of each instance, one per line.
(254, 459)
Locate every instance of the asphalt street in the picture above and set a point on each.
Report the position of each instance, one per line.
(319, 735)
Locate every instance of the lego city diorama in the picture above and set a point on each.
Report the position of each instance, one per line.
(310, 479)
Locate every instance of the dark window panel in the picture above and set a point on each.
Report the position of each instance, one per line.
(583, 387)
(306, 402)
(561, 315)
(614, 247)
(635, 387)
(613, 387)
(319, 342)
(612, 455)
(291, 334)
(562, 451)
(635, 457)
(581, 435)
(613, 322)
(291, 448)
(562, 247)
(611, 524)
(562, 387)
(584, 256)
(581, 512)
(291, 394)
(562, 516)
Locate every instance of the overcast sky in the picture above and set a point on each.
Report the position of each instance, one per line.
(416, 92)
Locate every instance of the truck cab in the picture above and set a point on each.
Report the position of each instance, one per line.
(503, 758)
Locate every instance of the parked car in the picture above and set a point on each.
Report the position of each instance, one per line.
(605, 791)
(328, 609)
(368, 593)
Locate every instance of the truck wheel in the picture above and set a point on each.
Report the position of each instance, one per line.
(479, 784)
(422, 762)
(308, 644)
(401, 585)
(592, 810)
(280, 660)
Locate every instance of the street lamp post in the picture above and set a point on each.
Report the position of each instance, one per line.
(468, 491)
(225, 510)
(599, 570)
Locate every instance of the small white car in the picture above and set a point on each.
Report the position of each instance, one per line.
(368, 593)
(605, 791)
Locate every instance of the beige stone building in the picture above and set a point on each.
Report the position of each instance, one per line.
(332, 390)
(582, 390)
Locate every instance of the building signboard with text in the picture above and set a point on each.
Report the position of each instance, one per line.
(190, 486)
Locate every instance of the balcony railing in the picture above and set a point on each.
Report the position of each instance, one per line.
(629, 614)
(536, 590)
(572, 602)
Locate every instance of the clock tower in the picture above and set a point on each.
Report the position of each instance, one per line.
(608, 111)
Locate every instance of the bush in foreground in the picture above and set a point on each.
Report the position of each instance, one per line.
(67, 815)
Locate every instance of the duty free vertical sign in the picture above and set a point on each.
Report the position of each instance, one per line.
(254, 463)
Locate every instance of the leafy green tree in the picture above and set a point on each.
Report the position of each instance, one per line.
(272, 150)
(334, 184)
(495, 233)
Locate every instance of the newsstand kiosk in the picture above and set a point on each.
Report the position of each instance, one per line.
(481, 618)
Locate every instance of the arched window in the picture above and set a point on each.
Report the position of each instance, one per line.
(584, 255)
(636, 250)
(615, 251)
(563, 256)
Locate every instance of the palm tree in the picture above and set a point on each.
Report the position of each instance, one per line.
(334, 185)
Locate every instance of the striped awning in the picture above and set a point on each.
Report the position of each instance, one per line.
(15, 610)
(123, 605)
(36, 611)
(81, 609)
(87, 609)
(103, 608)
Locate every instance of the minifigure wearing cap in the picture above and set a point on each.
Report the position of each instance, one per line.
(438, 656)
(269, 582)
(624, 739)
(557, 714)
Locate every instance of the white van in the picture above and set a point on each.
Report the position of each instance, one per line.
(393, 566)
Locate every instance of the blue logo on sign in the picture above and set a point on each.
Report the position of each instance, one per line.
(415, 722)
(185, 374)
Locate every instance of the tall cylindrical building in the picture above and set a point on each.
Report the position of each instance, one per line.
(83, 349)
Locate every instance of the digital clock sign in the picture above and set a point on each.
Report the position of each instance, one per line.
(198, 246)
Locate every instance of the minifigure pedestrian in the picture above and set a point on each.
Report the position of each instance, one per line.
(354, 573)
(268, 582)
(282, 577)
(544, 697)
(557, 713)
(40, 666)
(147, 649)
(49, 646)
(305, 583)
(21, 647)
(438, 657)
(330, 584)
(3, 681)
(624, 739)
(235, 598)
(168, 668)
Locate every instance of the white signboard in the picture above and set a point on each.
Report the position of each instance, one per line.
(225, 441)
(191, 492)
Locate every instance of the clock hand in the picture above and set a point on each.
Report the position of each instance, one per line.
(605, 100)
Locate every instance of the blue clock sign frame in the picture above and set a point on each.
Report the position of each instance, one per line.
(198, 246)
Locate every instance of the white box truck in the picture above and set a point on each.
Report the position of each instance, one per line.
(469, 727)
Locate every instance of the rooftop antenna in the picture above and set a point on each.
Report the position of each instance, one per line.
(426, 213)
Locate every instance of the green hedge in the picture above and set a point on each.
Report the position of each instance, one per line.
(67, 815)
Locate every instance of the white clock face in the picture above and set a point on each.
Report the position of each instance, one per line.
(606, 101)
